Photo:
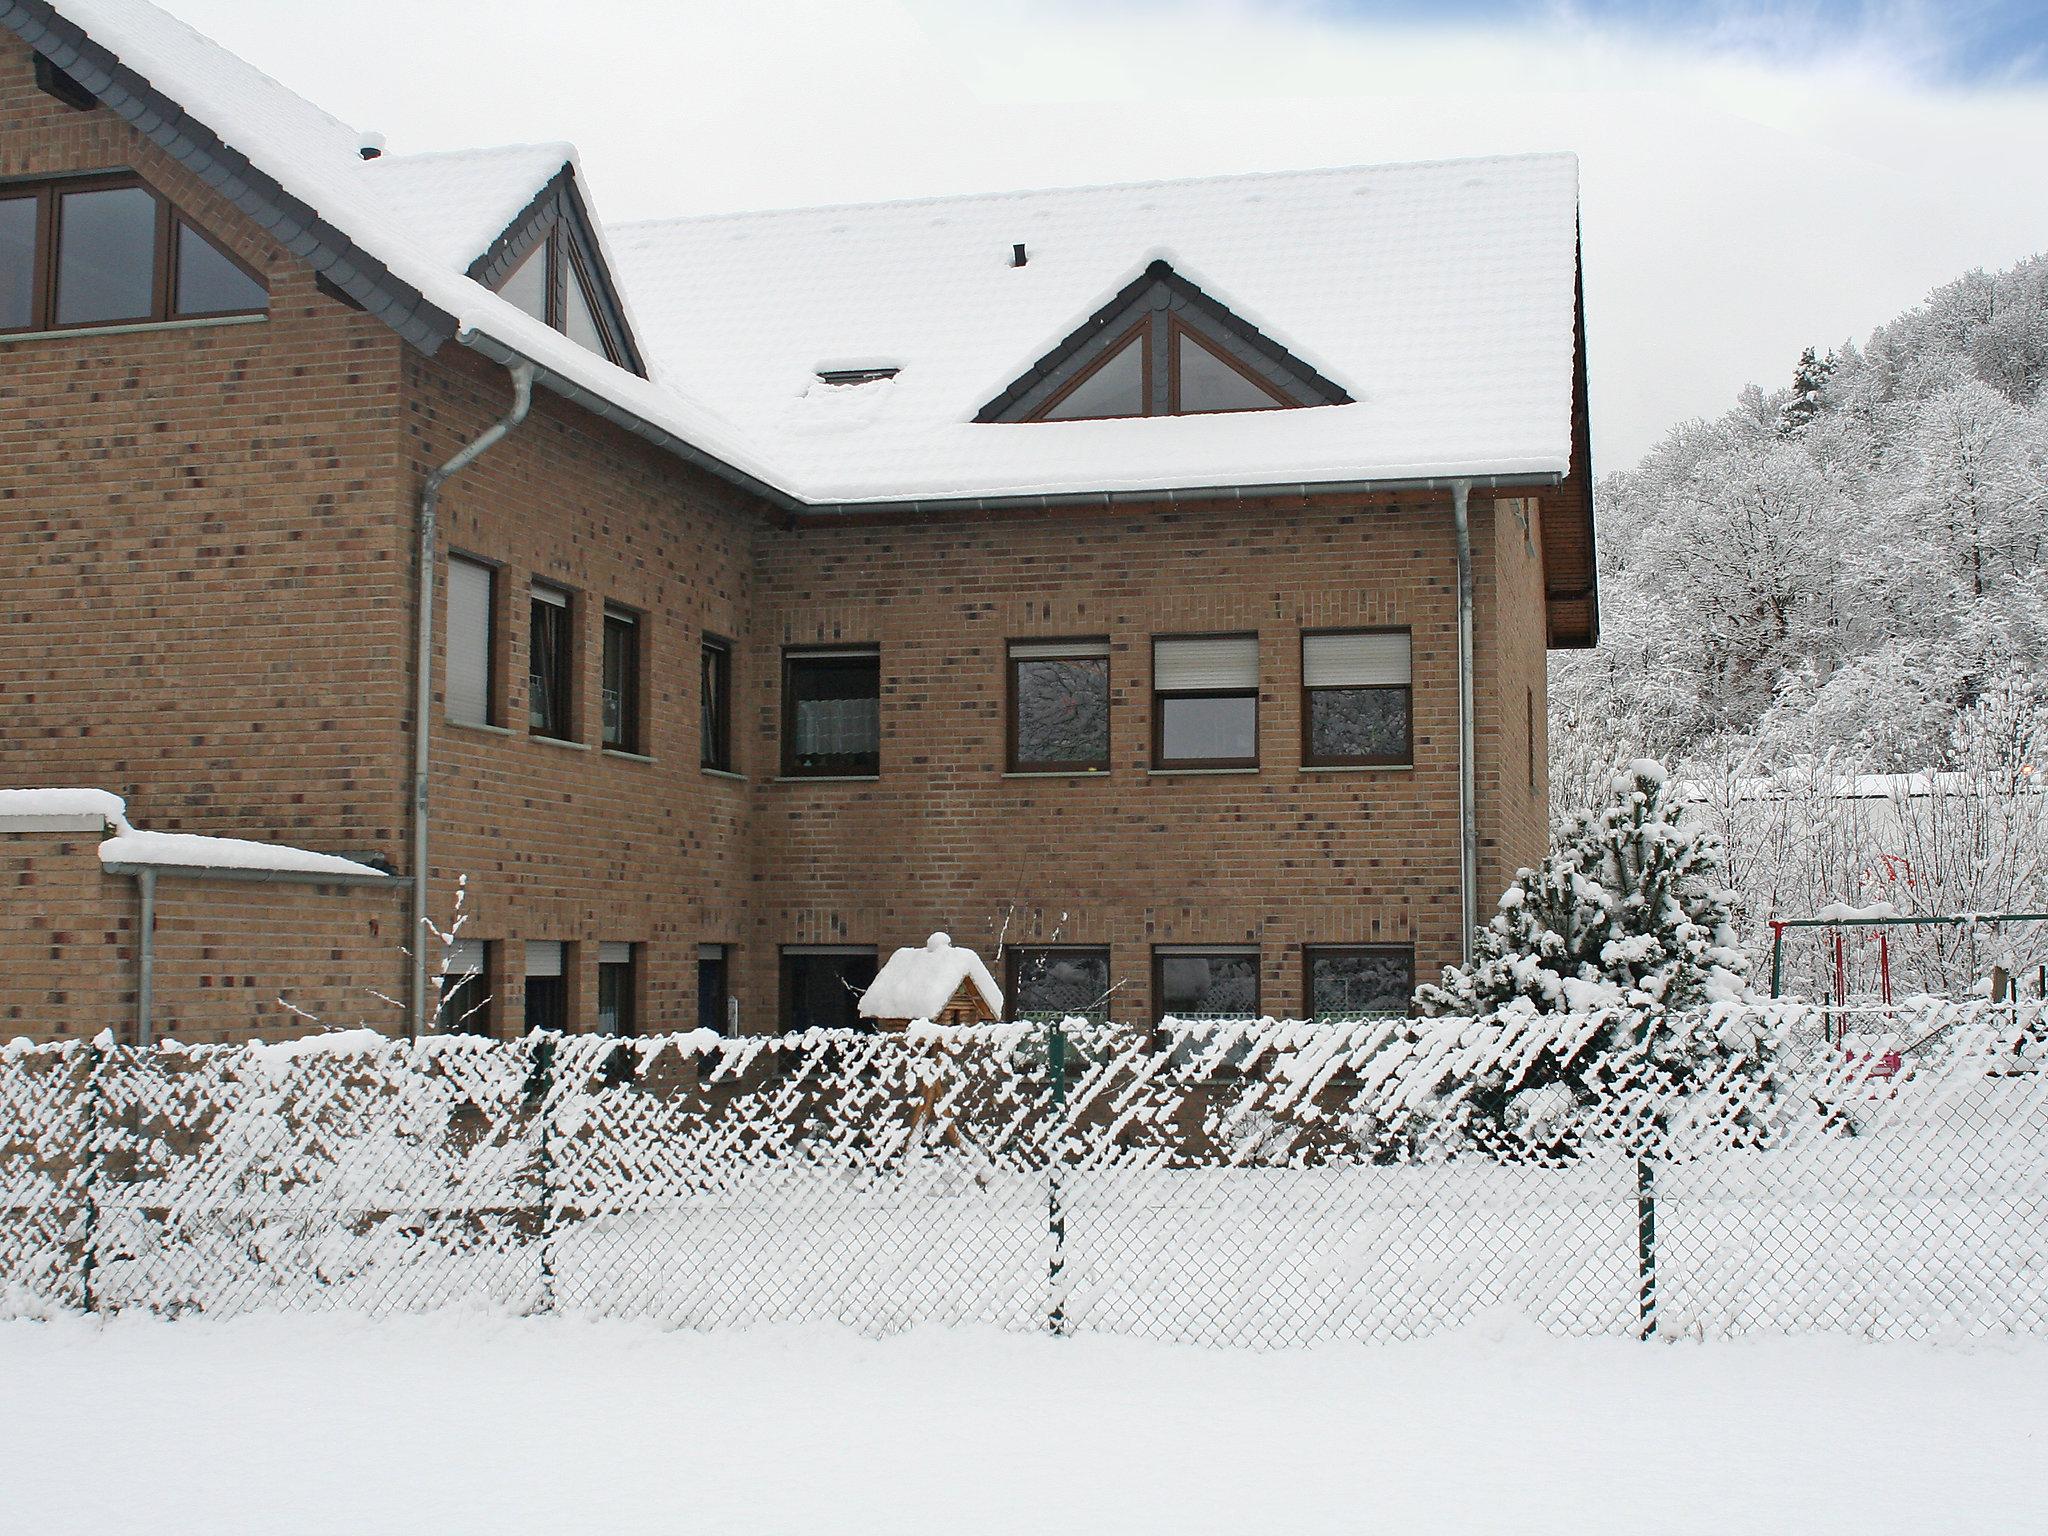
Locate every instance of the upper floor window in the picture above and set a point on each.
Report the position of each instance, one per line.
(621, 680)
(1357, 698)
(551, 285)
(111, 251)
(1205, 701)
(832, 713)
(714, 702)
(1059, 706)
(548, 663)
(472, 630)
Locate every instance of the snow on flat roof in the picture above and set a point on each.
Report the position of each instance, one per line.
(171, 850)
(1441, 296)
(104, 804)
(918, 983)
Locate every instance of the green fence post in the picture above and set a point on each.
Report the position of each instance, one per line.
(94, 1161)
(538, 1082)
(1646, 1249)
(1056, 1215)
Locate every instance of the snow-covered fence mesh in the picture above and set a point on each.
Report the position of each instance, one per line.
(1263, 1183)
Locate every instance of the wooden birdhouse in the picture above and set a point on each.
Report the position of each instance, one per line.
(938, 982)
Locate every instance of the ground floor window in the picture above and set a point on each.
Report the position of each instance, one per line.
(1353, 980)
(1205, 982)
(714, 989)
(822, 986)
(465, 1002)
(615, 979)
(546, 993)
(1058, 982)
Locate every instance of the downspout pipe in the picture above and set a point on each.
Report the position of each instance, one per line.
(423, 672)
(145, 962)
(1468, 779)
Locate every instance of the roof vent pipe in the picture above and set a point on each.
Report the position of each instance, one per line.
(1017, 256)
(371, 145)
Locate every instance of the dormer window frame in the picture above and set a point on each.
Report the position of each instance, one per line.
(1155, 311)
(556, 228)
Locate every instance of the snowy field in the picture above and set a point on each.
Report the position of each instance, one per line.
(315, 1424)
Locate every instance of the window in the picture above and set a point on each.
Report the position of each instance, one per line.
(621, 680)
(472, 610)
(110, 251)
(1205, 702)
(1359, 980)
(1193, 982)
(547, 1000)
(1059, 983)
(615, 1012)
(552, 284)
(832, 713)
(548, 663)
(714, 989)
(1119, 385)
(714, 694)
(1206, 379)
(465, 1004)
(1357, 702)
(822, 986)
(1059, 706)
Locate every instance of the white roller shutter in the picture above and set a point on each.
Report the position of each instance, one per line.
(543, 957)
(1056, 650)
(1365, 660)
(469, 642)
(1187, 666)
(465, 958)
(611, 953)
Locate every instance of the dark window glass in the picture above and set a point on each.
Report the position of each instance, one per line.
(527, 286)
(1358, 724)
(832, 715)
(548, 665)
(209, 283)
(1360, 980)
(1061, 711)
(715, 705)
(713, 988)
(546, 1003)
(1059, 983)
(465, 1003)
(17, 263)
(615, 996)
(822, 991)
(106, 255)
(1116, 388)
(1193, 986)
(1194, 728)
(621, 682)
(1208, 383)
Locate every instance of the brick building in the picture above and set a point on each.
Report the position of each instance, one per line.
(1075, 572)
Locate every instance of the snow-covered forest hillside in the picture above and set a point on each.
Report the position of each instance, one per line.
(1840, 578)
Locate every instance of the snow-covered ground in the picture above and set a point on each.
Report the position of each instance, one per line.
(459, 1423)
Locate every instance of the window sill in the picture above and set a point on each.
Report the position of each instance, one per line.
(133, 328)
(1178, 772)
(1357, 768)
(1056, 773)
(482, 728)
(826, 778)
(559, 741)
(723, 773)
(627, 757)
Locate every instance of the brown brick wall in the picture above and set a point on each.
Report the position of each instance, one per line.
(67, 932)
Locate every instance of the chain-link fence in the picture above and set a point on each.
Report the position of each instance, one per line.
(1259, 1183)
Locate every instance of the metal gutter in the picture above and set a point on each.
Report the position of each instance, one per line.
(423, 672)
(260, 876)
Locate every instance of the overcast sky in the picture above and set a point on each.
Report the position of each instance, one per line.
(1755, 178)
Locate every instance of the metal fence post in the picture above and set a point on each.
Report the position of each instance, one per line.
(94, 1161)
(1056, 1214)
(538, 1083)
(1646, 1249)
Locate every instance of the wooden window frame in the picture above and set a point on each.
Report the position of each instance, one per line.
(1159, 758)
(1310, 758)
(793, 654)
(565, 663)
(1161, 953)
(629, 1010)
(1089, 766)
(564, 265)
(1016, 954)
(632, 732)
(48, 193)
(1142, 333)
(1177, 328)
(1309, 953)
(715, 748)
(1146, 332)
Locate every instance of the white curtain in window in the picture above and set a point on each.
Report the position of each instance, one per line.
(838, 725)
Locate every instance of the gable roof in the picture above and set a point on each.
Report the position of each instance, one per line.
(918, 983)
(1439, 297)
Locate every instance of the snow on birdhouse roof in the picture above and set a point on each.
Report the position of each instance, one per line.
(1440, 296)
(918, 983)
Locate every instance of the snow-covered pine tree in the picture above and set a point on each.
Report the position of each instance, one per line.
(1809, 390)
(1628, 912)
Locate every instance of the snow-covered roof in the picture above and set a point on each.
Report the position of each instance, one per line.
(1439, 296)
(918, 983)
(130, 845)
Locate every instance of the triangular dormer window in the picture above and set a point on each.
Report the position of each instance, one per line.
(1162, 347)
(548, 263)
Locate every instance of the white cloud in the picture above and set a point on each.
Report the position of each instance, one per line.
(1736, 206)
